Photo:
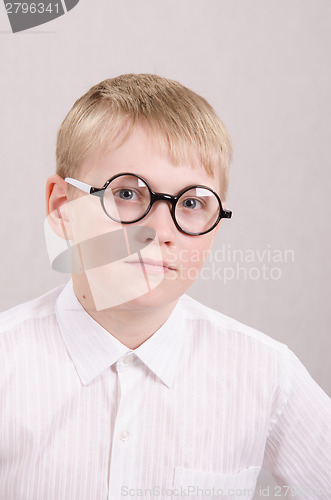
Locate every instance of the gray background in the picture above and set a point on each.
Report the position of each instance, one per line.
(265, 67)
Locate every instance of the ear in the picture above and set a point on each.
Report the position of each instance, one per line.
(56, 206)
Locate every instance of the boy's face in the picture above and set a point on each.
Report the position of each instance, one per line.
(179, 256)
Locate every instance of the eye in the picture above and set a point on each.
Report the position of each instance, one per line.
(126, 194)
(192, 203)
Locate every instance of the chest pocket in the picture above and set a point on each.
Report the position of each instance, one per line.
(201, 485)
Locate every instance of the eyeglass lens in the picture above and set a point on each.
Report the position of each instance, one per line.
(127, 199)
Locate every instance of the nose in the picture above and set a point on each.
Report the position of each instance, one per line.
(159, 218)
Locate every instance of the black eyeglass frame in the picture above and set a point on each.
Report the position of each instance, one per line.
(154, 197)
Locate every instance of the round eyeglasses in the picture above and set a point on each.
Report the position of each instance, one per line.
(127, 198)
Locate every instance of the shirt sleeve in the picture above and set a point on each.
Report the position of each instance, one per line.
(298, 447)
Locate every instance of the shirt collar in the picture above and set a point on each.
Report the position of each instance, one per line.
(93, 349)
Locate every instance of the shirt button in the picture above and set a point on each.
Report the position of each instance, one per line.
(129, 358)
(124, 435)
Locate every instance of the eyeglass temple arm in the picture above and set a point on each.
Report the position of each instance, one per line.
(78, 184)
(226, 214)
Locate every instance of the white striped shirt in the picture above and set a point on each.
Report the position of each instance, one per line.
(195, 411)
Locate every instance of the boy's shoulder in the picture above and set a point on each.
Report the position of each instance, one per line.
(216, 323)
(38, 308)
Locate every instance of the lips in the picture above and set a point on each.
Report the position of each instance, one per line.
(150, 263)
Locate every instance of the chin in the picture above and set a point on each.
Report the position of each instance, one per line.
(158, 297)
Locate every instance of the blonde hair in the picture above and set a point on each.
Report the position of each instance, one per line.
(180, 120)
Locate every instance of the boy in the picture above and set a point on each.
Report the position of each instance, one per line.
(118, 384)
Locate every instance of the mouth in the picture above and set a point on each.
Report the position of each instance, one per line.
(153, 266)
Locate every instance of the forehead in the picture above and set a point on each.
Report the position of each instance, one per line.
(150, 158)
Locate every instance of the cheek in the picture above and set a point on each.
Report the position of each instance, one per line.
(88, 219)
(193, 256)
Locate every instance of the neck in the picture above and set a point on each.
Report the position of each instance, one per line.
(131, 323)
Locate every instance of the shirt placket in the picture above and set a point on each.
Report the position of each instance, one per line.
(124, 461)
